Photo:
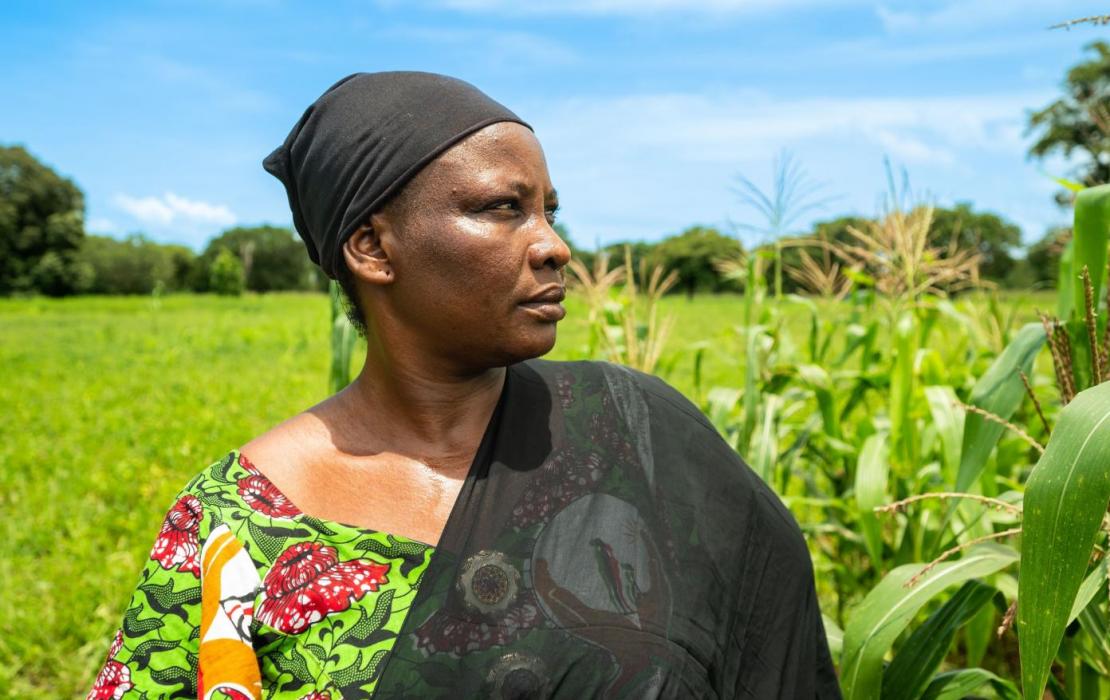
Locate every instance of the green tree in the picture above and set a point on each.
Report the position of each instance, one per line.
(226, 274)
(639, 249)
(273, 259)
(134, 265)
(836, 230)
(692, 253)
(832, 232)
(1080, 120)
(992, 236)
(42, 223)
(183, 260)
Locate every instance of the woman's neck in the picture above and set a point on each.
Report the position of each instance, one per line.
(424, 405)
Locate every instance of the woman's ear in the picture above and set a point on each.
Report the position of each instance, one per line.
(367, 252)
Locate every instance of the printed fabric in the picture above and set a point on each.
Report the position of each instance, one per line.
(244, 597)
(607, 542)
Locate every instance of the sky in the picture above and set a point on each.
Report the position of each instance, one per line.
(647, 110)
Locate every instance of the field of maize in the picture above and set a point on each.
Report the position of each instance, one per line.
(945, 453)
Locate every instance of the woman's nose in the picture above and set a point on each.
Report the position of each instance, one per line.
(551, 249)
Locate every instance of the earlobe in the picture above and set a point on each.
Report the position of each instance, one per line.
(370, 259)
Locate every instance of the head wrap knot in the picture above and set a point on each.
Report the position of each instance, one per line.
(362, 140)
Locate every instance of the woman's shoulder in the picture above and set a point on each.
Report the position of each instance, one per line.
(599, 369)
(674, 419)
(226, 489)
(231, 479)
(626, 382)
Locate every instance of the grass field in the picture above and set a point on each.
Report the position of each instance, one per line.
(111, 404)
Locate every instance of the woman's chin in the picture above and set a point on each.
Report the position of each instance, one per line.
(533, 342)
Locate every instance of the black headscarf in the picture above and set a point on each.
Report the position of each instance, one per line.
(364, 138)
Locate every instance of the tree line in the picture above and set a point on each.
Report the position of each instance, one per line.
(45, 249)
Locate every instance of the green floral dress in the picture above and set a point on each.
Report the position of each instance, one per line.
(243, 596)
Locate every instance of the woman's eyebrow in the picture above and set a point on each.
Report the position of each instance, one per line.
(525, 188)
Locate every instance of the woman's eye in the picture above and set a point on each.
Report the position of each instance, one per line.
(511, 205)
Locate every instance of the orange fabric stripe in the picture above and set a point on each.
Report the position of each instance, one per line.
(226, 661)
(216, 555)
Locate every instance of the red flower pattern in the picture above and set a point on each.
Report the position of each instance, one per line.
(117, 644)
(562, 478)
(112, 682)
(307, 582)
(248, 465)
(178, 541)
(261, 495)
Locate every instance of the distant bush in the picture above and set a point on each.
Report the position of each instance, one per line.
(692, 253)
(272, 259)
(226, 274)
(135, 265)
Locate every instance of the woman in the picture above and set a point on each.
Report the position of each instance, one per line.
(465, 520)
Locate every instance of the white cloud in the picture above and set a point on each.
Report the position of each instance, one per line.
(731, 126)
(199, 211)
(911, 150)
(172, 208)
(644, 165)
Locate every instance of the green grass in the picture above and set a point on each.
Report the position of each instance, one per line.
(113, 403)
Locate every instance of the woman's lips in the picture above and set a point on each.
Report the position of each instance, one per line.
(546, 310)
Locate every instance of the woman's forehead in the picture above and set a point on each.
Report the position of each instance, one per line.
(507, 160)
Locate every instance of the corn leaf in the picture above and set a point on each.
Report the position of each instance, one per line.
(818, 380)
(1065, 499)
(949, 421)
(871, 480)
(721, 401)
(1095, 582)
(765, 444)
(891, 606)
(343, 339)
(918, 659)
(901, 386)
(1000, 392)
(1092, 227)
(957, 685)
(752, 393)
(979, 633)
(1094, 645)
(1064, 273)
(834, 635)
(1071, 185)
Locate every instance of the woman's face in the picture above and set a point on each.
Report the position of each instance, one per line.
(468, 242)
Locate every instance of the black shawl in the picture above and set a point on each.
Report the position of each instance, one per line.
(608, 542)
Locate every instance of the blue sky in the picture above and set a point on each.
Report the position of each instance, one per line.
(647, 109)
